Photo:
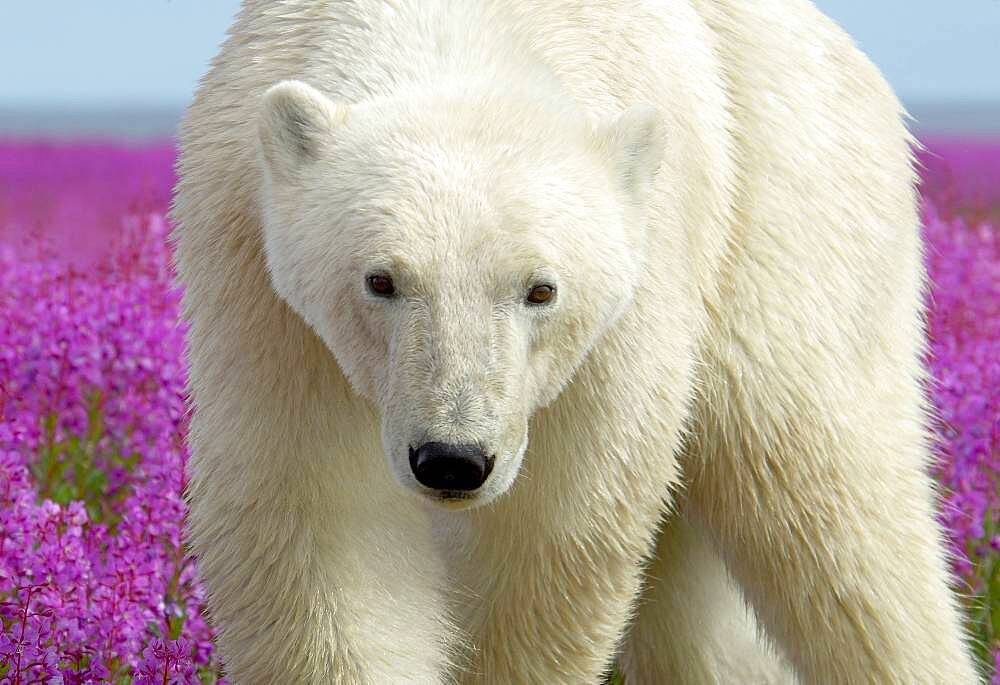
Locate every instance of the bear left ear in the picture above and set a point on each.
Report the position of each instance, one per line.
(296, 124)
(634, 142)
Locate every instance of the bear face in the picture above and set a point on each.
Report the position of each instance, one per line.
(459, 256)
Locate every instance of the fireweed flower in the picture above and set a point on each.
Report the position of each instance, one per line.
(964, 265)
(961, 177)
(95, 584)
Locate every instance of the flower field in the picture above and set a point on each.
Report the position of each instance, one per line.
(94, 582)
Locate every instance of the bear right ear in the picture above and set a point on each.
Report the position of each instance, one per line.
(296, 124)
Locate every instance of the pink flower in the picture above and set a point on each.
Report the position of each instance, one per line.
(94, 581)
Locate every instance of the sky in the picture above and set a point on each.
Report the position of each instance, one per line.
(102, 53)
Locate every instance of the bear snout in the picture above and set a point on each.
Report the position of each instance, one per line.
(441, 466)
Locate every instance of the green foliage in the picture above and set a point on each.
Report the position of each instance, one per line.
(985, 609)
(77, 468)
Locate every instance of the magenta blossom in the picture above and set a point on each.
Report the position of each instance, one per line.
(95, 582)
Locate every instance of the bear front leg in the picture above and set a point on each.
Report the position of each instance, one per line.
(543, 610)
(317, 568)
(692, 625)
(546, 576)
(823, 508)
(303, 596)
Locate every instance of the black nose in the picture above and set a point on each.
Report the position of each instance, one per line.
(450, 467)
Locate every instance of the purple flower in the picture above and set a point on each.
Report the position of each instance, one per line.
(92, 418)
(94, 582)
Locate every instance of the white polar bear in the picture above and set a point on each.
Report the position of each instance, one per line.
(511, 281)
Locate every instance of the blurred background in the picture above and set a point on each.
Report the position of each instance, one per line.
(126, 69)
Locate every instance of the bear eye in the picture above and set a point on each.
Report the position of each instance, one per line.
(540, 294)
(381, 285)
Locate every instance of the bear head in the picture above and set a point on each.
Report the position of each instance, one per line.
(459, 253)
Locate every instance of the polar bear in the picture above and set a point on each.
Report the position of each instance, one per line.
(527, 335)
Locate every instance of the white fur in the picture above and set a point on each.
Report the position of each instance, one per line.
(721, 192)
